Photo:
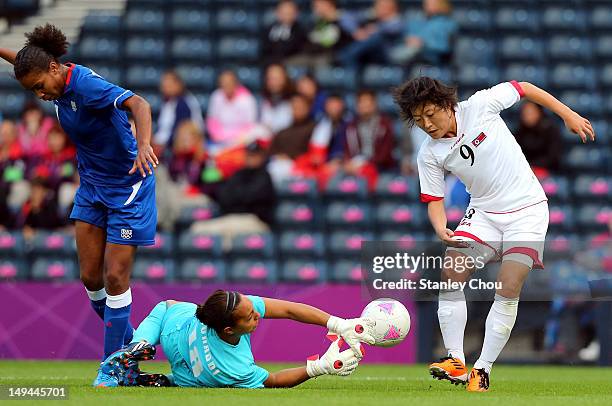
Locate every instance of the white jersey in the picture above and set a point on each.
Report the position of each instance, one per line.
(484, 156)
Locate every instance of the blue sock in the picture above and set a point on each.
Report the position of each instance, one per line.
(116, 321)
(99, 306)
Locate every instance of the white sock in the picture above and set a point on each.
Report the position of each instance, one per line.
(119, 301)
(96, 295)
(452, 315)
(499, 324)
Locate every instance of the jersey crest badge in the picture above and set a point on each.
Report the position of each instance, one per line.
(478, 140)
(73, 105)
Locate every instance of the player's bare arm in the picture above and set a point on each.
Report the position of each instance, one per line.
(141, 111)
(8, 55)
(437, 217)
(573, 121)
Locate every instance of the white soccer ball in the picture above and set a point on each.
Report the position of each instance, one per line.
(392, 321)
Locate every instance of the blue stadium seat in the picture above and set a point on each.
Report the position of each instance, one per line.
(478, 76)
(397, 187)
(188, 48)
(517, 48)
(143, 76)
(347, 244)
(572, 76)
(259, 245)
(249, 76)
(107, 22)
(299, 189)
(570, 48)
(152, 96)
(454, 214)
(303, 271)
(310, 244)
(190, 215)
(336, 77)
(535, 74)
(377, 77)
(238, 48)
(587, 158)
(556, 18)
(560, 246)
(199, 245)
(593, 188)
(248, 270)
(593, 217)
(140, 19)
(163, 246)
(153, 270)
(561, 218)
(202, 269)
(516, 18)
(296, 214)
(587, 103)
(53, 243)
(348, 214)
(399, 216)
(443, 74)
(346, 187)
(405, 239)
(472, 19)
(237, 19)
(345, 270)
(111, 73)
(12, 269)
(105, 48)
(52, 269)
(557, 189)
(145, 48)
(601, 18)
(474, 50)
(198, 77)
(11, 244)
(605, 75)
(603, 47)
(190, 19)
(11, 103)
(386, 104)
(203, 99)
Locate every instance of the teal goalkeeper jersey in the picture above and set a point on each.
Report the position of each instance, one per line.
(216, 363)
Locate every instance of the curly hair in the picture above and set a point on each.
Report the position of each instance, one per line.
(44, 45)
(421, 90)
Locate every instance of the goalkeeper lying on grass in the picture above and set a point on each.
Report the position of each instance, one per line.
(209, 345)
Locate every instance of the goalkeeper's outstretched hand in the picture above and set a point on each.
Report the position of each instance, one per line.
(354, 331)
(334, 361)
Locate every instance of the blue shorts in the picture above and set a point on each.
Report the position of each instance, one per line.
(128, 214)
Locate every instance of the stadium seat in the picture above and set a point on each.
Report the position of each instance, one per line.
(591, 217)
(203, 99)
(336, 77)
(298, 189)
(535, 74)
(516, 48)
(605, 75)
(191, 48)
(593, 188)
(248, 270)
(190, 215)
(407, 239)
(601, 18)
(249, 76)
(382, 77)
(396, 187)
(386, 104)
(11, 244)
(198, 77)
(237, 19)
(583, 158)
(556, 18)
(191, 19)
(516, 19)
(199, 245)
(303, 271)
(145, 49)
(572, 76)
(152, 96)
(556, 188)
(297, 214)
(565, 281)
(348, 214)
(253, 245)
(454, 214)
(202, 269)
(472, 19)
(143, 76)
(52, 269)
(346, 187)
(345, 270)
(163, 246)
(560, 246)
(153, 270)
(111, 73)
(238, 48)
(587, 103)
(443, 74)
(53, 243)
(106, 22)
(12, 269)
(399, 216)
(299, 244)
(570, 48)
(11, 103)
(101, 48)
(561, 218)
(478, 76)
(346, 243)
(474, 50)
(140, 19)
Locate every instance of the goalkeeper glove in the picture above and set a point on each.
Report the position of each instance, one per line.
(333, 362)
(354, 331)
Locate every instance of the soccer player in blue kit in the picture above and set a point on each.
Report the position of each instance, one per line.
(209, 345)
(114, 207)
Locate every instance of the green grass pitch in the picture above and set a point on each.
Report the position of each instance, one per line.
(370, 384)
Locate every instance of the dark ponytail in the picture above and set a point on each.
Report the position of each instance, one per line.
(217, 311)
(44, 45)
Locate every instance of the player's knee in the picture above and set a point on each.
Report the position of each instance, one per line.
(91, 282)
(451, 267)
(116, 277)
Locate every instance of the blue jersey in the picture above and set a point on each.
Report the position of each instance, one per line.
(90, 113)
(216, 363)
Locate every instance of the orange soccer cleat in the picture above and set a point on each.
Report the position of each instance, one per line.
(452, 369)
(479, 381)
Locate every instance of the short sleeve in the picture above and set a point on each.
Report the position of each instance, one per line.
(258, 304)
(97, 93)
(431, 177)
(254, 379)
(498, 97)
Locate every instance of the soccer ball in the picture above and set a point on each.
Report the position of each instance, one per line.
(392, 321)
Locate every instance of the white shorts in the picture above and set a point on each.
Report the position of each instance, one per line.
(518, 235)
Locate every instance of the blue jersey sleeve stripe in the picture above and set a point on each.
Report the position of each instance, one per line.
(121, 98)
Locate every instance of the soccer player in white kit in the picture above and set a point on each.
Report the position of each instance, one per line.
(507, 217)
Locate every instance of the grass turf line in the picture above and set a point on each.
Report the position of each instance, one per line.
(370, 384)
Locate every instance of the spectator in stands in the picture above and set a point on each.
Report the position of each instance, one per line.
(275, 111)
(58, 165)
(291, 142)
(188, 159)
(286, 36)
(179, 105)
(13, 181)
(540, 139)
(373, 35)
(308, 87)
(34, 129)
(232, 113)
(40, 211)
(429, 39)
